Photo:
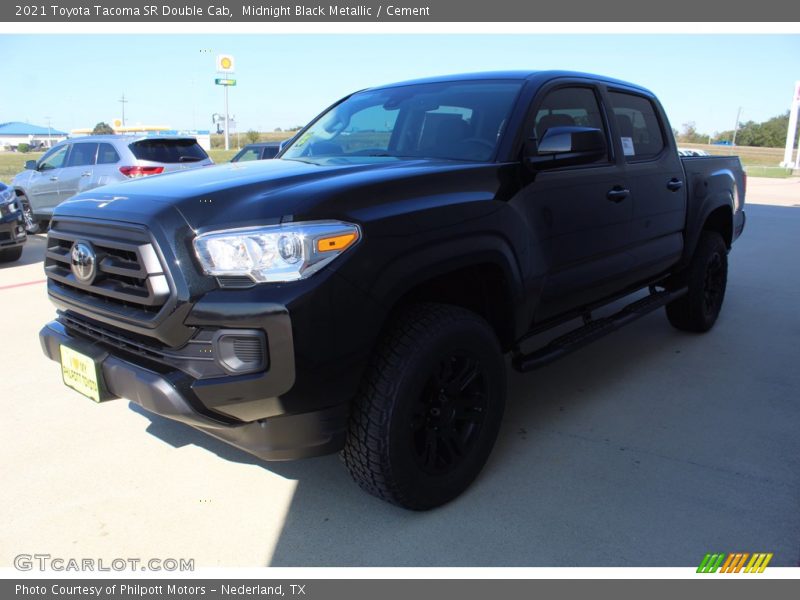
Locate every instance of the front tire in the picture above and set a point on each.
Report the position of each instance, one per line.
(32, 226)
(430, 407)
(707, 279)
(10, 254)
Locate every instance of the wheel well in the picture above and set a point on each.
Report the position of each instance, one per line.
(482, 289)
(721, 221)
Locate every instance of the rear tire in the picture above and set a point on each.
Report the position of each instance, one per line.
(706, 278)
(11, 254)
(430, 407)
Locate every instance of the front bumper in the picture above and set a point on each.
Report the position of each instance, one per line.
(170, 394)
(12, 230)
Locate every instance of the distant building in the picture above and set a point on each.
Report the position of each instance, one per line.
(15, 133)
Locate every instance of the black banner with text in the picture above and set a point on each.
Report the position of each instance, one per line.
(398, 11)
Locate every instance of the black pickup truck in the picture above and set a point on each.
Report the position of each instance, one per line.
(361, 292)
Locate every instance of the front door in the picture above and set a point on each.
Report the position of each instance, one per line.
(43, 187)
(78, 172)
(580, 215)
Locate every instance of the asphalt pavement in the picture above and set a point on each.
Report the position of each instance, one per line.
(650, 447)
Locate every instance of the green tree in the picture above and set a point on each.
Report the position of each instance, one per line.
(252, 136)
(768, 134)
(690, 135)
(102, 128)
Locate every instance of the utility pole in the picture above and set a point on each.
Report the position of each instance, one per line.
(49, 137)
(736, 127)
(225, 67)
(123, 102)
(227, 118)
(791, 132)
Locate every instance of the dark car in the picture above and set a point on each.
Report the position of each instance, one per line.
(361, 292)
(258, 151)
(12, 225)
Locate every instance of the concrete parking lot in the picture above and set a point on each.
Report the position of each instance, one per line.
(649, 448)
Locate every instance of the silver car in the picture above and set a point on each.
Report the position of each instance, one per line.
(80, 164)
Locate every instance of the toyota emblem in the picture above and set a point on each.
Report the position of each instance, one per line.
(84, 262)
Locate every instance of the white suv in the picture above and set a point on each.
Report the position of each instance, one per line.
(80, 164)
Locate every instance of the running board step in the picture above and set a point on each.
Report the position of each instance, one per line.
(592, 330)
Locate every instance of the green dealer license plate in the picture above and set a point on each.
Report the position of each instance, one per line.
(80, 373)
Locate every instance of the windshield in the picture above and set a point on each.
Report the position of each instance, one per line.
(455, 120)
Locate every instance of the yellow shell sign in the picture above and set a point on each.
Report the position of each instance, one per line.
(225, 63)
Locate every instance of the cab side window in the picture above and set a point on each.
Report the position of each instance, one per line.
(570, 106)
(82, 155)
(54, 159)
(638, 126)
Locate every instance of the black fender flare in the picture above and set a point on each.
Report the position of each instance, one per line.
(428, 262)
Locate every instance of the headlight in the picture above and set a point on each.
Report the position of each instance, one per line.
(8, 201)
(276, 253)
(6, 195)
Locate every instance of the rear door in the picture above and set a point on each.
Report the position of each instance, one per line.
(655, 178)
(580, 215)
(76, 175)
(106, 169)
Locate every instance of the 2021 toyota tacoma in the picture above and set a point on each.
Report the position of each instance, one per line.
(360, 293)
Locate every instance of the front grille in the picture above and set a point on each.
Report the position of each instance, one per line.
(209, 354)
(129, 273)
(196, 357)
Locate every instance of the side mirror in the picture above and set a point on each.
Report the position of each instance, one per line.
(566, 146)
(30, 165)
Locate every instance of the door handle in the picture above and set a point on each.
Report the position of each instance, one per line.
(86, 174)
(618, 193)
(674, 184)
(54, 178)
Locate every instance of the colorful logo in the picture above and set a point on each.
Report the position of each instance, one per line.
(735, 562)
(225, 63)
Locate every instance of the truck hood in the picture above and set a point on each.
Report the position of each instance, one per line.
(270, 191)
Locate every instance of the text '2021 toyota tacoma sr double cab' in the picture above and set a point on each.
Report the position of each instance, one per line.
(360, 293)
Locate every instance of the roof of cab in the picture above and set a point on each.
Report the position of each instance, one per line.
(537, 76)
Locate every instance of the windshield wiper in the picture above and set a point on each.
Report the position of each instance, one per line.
(308, 162)
(394, 155)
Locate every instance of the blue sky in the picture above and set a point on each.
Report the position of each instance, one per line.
(284, 80)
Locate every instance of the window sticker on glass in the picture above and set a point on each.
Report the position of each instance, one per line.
(627, 146)
(303, 139)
